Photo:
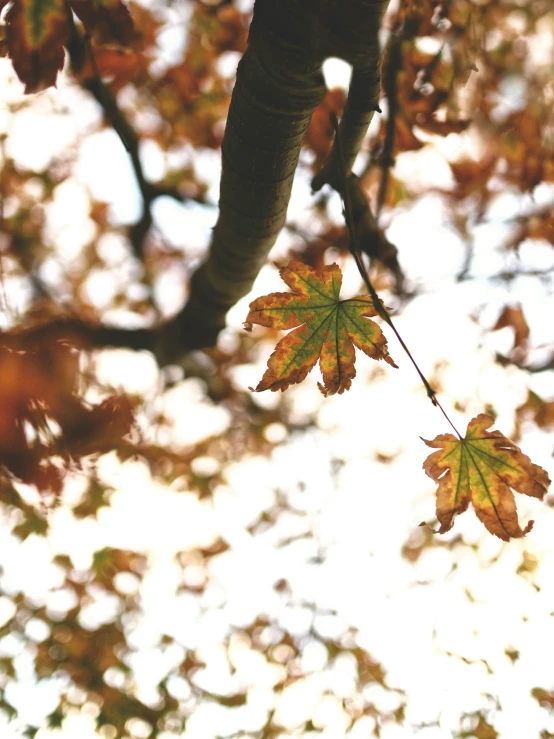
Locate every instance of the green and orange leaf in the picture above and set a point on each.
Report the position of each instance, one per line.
(326, 328)
(483, 468)
(36, 31)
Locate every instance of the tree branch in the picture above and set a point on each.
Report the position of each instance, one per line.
(390, 88)
(533, 368)
(279, 85)
(80, 48)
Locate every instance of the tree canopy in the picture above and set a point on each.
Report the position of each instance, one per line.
(181, 555)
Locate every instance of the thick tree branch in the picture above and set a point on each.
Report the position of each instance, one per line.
(279, 85)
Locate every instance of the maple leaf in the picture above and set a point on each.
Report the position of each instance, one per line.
(36, 31)
(326, 328)
(482, 468)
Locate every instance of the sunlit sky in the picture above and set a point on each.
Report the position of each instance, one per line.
(440, 626)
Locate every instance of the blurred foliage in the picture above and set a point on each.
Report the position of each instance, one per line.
(478, 70)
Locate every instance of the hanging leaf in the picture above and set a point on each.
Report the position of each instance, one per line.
(326, 329)
(107, 21)
(36, 31)
(482, 468)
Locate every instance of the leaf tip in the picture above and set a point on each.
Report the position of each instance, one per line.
(323, 390)
(427, 526)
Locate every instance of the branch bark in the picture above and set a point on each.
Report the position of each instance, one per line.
(279, 85)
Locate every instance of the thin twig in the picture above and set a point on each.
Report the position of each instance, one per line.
(131, 142)
(80, 47)
(390, 88)
(532, 368)
(380, 308)
(468, 260)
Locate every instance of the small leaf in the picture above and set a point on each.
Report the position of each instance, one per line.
(537, 409)
(512, 317)
(543, 697)
(481, 469)
(36, 33)
(326, 328)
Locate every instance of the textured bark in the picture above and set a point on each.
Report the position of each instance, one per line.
(279, 84)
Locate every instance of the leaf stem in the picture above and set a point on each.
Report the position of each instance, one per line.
(356, 252)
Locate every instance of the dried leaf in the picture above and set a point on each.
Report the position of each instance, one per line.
(482, 468)
(484, 730)
(45, 425)
(36, 33)
(405, 138)
(472, 175)
(107, 21)
(443, 128)
(320, 133)
(543, 697)
(512, 316)
(540, 411)
(326, 329)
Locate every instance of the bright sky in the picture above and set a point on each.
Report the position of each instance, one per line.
(437, 625)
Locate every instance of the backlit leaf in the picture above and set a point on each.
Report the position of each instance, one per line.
(481, 469)
(326, 328)
(36, 33)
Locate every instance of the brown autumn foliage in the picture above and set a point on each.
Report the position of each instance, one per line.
(466, 71)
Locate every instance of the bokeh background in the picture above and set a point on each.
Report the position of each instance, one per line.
(180, 556)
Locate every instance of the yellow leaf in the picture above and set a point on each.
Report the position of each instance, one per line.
(481, 469)
(326, 328)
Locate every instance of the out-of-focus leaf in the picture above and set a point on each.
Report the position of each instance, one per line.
(95, 497)
(405, 139)
(536, 408)
(45, 425)
(481, 469)
(326, 329)
(34, 523)
(483, 730)
(544, 698)
(101, 428)
(512, 316)
(320, 133)
(471, 175)
(107, 21)
(36, 33)
(443, 128)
